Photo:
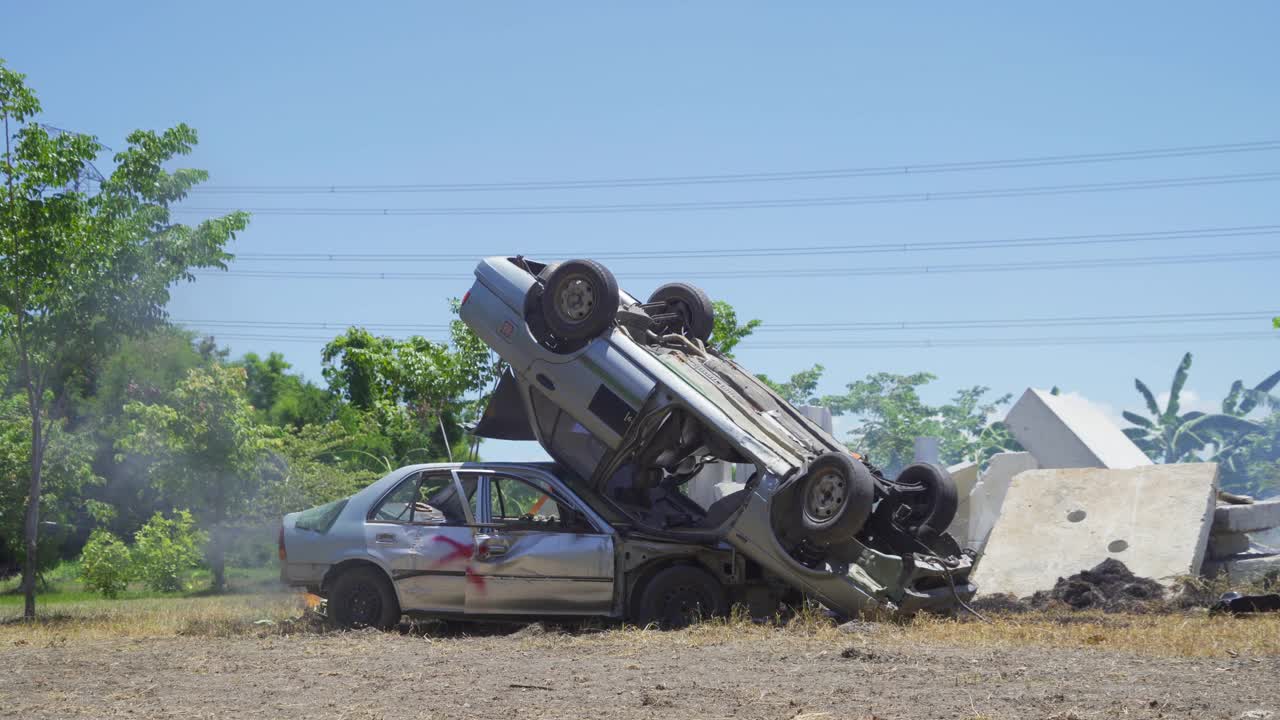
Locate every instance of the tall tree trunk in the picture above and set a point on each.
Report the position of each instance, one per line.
(218, 557)
(32, 523)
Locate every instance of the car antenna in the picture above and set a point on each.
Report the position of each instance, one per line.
(445, 435)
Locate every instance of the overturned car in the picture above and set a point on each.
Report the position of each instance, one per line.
(632, 404)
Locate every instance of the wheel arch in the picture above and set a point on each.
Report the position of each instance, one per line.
(331, 575)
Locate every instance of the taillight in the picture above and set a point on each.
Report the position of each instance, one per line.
(466, 296)
(283, 555)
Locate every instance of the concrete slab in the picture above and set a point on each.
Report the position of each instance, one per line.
(818, 414)
(965, 476)
(1058, 522)
(988, 494)
(1247, 518)
(1066, 432)
(1246, 569)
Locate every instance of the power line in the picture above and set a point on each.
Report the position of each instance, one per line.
(860, 248)
(1256, 336)
(830, 327)
(772, 273)
(752, 177)
(821, 201)
(922, 343)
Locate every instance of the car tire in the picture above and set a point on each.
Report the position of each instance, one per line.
(693, 304)
(363, 597)
(679, 596)
(835, 498)
(579, 300)
(935, 512)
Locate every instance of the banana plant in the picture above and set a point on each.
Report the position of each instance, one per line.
(1169, 435)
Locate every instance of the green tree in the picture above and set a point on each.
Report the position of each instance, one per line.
(1169, 435)
(206, 448)
(82, 269)
(165, 548)
(727, 333)
(105, 564)
(801, 388)
(415, 389)
(893, 415)
(283, 398)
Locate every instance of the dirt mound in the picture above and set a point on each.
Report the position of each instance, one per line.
(1109, 586)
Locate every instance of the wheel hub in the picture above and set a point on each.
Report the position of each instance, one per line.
(575, 299)
(826, 496)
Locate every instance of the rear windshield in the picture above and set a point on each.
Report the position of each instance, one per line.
(320, 519)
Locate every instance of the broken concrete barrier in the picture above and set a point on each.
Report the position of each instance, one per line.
(965, 476)
(1222, 546)
(1245, 569)
(1066, 432)
(988, 494)
(1247, 518)
(1155, 519)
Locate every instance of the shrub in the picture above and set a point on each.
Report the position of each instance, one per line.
(165, 548)
(105, 565)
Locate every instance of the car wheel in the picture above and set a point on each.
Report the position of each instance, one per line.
(835, 498)
(580, 299)
(931, 494)
(363, 597)
(692, 304)
(679, 596)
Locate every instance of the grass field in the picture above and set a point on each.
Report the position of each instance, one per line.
(62, 585)
(1192, 634)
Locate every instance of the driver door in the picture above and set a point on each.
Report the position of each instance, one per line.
(421, 531)
(537, 553)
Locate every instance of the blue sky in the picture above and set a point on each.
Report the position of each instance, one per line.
(386, 93)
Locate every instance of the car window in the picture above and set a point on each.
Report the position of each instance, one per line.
(568, 441)
(425, 499)
(516, 504)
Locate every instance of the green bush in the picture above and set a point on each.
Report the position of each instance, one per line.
(165, 548)
(105, 565)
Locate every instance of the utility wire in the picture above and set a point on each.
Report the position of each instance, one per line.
(1045, 341)
(859, 248)
(829, 327)
(752, 177)
(773, 273)
(821, 201)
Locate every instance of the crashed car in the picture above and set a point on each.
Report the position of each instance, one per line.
(632, 404)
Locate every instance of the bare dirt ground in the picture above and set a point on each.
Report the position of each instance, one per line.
(876, 672)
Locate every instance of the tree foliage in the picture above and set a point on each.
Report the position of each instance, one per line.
(204, 445)
(727, 332)
(83, 269)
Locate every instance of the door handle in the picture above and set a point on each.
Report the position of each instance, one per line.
(384, 538)
(493, 546)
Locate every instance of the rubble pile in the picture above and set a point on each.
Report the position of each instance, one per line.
(1110, 586)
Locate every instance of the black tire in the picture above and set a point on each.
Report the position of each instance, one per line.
(935, 502)
(835, 498)
(363, 597)
(580, 299)
(678, 596)
(693, 304)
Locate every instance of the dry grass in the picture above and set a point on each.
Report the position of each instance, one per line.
(152, 617)
(1191, 634)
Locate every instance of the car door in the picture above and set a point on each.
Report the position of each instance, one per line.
(537, 553)
(422, 532)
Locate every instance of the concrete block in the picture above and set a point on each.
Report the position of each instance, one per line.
(965, 476)
(988, 494)
(818, 414)
(1245, 569)
(1224, 546)
(927, 450)
(702, 488)
(1247, 518)
(1064, 432)
(1155, 519)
